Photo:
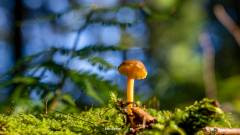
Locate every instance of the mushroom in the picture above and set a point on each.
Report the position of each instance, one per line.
(133, 69)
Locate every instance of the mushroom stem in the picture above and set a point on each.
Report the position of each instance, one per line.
(130, 89)
(130, 93)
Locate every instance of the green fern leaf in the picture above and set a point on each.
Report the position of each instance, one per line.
(91, 92)
(98, 83)
(52, 66)
(134, 7)
(102, 64)
(24, 60)
(18, 80)
(89, 50)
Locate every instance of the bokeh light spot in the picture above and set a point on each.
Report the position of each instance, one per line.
(33, 4)
(110, 35)
(58, 6)
(126, 15)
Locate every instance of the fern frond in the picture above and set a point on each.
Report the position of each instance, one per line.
(91, 92)
(25, 60)
(81, 77)
(52, 66)
(89, 50)
(18, 80)
(102, 63)
(112, 22)
(134, 7)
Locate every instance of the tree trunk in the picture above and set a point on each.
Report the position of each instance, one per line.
(17, 39)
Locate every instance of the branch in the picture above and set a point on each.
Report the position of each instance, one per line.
(227, 22)
(221, 131)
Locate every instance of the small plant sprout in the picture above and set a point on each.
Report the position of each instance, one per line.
(154, 102)
(158, 105)
(74, 107)
(85, 108)
(92, 105)
(46, 106)
(132, 69)
(42, 107)
(10, 108)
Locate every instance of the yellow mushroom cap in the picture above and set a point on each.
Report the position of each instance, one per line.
(136, 66)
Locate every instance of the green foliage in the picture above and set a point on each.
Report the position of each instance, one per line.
(92, 93)
(25, 60)
(134, 7)
(102, 64)
(20, 79)
(56, 123)
(52, 66)
(87, 82)
(189, 121)
(90, 50)
(81, 77)
(112, 22)
(94, 121)
(91, 84)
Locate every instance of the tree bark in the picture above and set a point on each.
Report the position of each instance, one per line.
(17, 43)
(17, 39)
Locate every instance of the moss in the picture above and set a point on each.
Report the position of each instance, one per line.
(103, 120)
(191, 120)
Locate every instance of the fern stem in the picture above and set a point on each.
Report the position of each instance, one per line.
(55, 100)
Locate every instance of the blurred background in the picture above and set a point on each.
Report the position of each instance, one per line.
(68, 51)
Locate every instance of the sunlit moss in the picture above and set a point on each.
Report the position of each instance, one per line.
(104, 120)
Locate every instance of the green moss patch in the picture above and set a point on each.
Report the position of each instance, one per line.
(110, 121)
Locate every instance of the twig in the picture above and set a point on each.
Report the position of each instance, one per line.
(144, 121)
(169, 115)
(227, 22)
(104, 122)
(221, 131)
(106, 111)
